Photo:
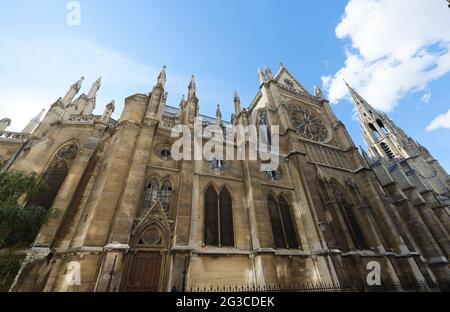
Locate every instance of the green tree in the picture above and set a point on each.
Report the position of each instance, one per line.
(19, 223)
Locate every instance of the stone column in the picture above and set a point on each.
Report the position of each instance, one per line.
(129, 203)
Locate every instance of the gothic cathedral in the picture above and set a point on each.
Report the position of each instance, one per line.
(132, 218)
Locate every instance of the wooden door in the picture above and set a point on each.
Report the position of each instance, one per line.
(145, 271)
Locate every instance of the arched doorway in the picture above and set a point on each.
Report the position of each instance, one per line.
(146, 262)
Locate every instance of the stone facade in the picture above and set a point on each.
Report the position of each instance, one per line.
(413, 179)
(134, 219)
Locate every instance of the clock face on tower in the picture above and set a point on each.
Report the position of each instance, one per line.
(309, 125)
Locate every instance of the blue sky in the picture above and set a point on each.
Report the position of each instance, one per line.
(398, 59)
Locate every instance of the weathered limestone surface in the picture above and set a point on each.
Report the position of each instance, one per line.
(119, 230)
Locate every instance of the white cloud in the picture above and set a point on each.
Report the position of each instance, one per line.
(36, 72)
(442, 121)
(426, 98)
(397, 47)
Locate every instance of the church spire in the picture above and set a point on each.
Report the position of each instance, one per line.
(189, 109)
(269, 74)
(158, 97)
(381, 135)
(162, 78)
(74, 89)
(33, 123)
(94, 89)
(364, 108)
(218, 116)
(192, 88)
(237, 103)
(262, 79)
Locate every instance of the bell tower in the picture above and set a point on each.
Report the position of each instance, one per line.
(383, 138)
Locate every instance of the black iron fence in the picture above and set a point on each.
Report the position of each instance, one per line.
(420, 286)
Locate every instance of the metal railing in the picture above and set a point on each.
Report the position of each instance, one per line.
(420, 286)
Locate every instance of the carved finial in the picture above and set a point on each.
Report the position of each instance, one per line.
(192, 83)
(192, 88)
(162, 77)
(95, 87)
(237, 103)
(268, 72)
(183, 99)
(77, 85)
(317, 92)
(111, 105)
(218, 115)
(5, 123)
(262, 79)
(109, 109)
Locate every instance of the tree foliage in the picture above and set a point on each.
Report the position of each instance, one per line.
(20, 223)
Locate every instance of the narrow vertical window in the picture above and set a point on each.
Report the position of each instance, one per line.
(289, 228)
(277, 227)
(283, 228)
(382, 127)
(211, 217)
(349, 215)
(375, 132)
(151, 194)
(166, 197)
(226, 219)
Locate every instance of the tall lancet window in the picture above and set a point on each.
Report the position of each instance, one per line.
(55, 176)
(275, 219)
(375, 132)
(283, 227)
(166, 197)
(349, 215)
(264, 128)
(219, 229)
(226, 219)
(151, 194)
(211, 217)
(382, 127)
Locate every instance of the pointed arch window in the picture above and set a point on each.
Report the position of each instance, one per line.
(151, 194)
(349, 215)
(55, 176)
(375, 132)
(288, 224)
(275, 219)
(211, 217)
(382, 127)
(226, 219)
(283, 227)
(166, 196)
(219, 229)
